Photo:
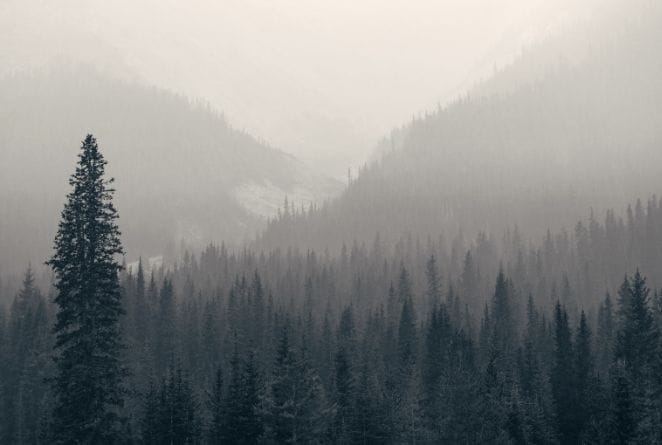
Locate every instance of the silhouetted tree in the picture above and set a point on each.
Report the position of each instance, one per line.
(88, 384)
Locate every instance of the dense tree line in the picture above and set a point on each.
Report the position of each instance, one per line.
(245, 366)
(429, 342)
(370, 346)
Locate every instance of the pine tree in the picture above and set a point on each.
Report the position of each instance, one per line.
(622, 422)
(293, 405)
(434, 283)
(469, 280)
(405, 288)
(407, 337)
(435, 363)
(344, 387)
(215, 407)
(25, 367)
(346, 330)
(257, 309)
(502, 331)
(527, 358)
(151, 429)
(141, 311)
(280, 409)
(605, 336)
(324, 353)
(637, 336)
(170, 414)
(369, 417)
(250, 383)
(184, 427)
(636, 347)
(584, 379)
(15, 355)
(654, 394)
(88, 384)
(165, 329)
(241, 424)
(211, 332)
(562, 378)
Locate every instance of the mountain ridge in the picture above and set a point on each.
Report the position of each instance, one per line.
(582, 133)
(146, 134)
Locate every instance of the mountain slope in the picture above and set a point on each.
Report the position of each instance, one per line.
(586, 131)
(182, 173)
(323, 80)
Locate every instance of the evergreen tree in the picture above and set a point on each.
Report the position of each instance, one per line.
(368, 421)
(502, 326)
(637, 336)
(215, 407)
(88, 384)
(584, 380)
(623, 423)
(405, 288)
(605, 336)
(166, 328)
(241, 424)
(469, 280)
(636, 347)
(293, 405)
(152, 430)
(23, 375)
(433, 358)
(407, 337)
(171, 413)
(344, 387)
(211, 333)
(562, 378)
(257, 309)
(141, 310)
(346, 330)
(14, 355)
(434, 283)
(437, 359)
(182, 408)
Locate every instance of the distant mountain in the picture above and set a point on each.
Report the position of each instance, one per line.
(322, 80)
(583, 130)
(182, 172)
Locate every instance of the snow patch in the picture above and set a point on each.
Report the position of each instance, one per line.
(265, 199)
(150, 264)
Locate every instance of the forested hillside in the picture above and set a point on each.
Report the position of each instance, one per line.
(583, 132)
(183, 173)
(483, 340)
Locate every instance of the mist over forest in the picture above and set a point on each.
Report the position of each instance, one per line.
(359, 222)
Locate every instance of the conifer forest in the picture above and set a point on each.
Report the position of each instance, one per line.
(186, 259)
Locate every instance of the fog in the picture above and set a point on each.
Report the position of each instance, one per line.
(330, 222)
(321, 80)
(246, 104)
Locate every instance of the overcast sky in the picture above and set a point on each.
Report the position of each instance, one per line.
(321, 79)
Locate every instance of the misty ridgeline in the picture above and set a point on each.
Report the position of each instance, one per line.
(492, 275)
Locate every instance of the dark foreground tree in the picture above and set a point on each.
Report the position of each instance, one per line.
(88, 382)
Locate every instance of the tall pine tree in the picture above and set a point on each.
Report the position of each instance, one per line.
(88, 384)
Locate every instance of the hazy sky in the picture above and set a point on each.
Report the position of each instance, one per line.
(321, 79)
